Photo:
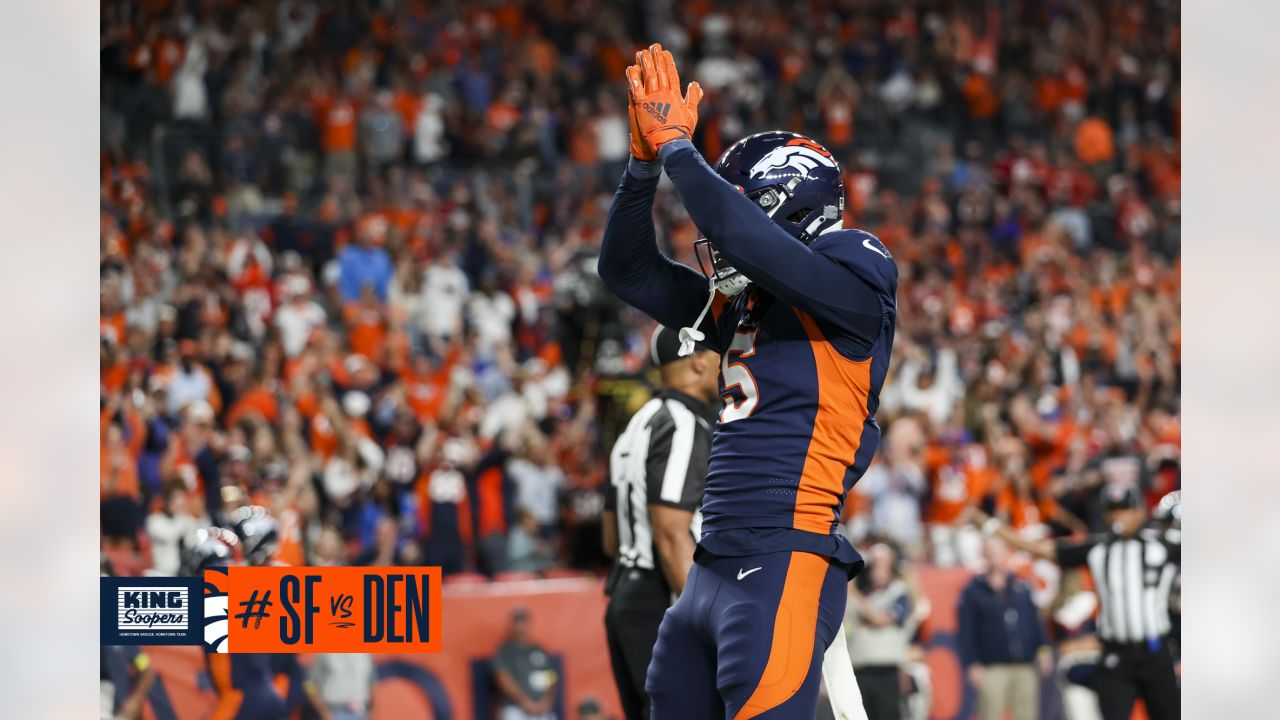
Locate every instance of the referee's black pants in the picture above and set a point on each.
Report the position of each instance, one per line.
(1128, 671)
(637, 602)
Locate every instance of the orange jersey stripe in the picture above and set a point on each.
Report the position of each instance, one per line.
(843, 388)
(794, 631)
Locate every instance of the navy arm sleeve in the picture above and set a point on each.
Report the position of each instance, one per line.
(635, 270)
(781, 264)
(1071, 554)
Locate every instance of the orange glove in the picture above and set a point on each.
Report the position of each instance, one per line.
(661, 114)
(640, 150)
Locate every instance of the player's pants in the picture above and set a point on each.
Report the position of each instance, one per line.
(746, 638)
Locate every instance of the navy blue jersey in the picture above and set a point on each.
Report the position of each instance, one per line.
(805, 352)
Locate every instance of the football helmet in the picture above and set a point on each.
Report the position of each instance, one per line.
(258, 532)
(795, 180)
(207, 548)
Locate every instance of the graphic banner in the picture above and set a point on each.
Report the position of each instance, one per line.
(279, 610)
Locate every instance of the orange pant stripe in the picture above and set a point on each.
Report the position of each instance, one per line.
(794, 630)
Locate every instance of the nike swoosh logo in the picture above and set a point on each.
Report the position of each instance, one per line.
(866, 243)
(744, 573)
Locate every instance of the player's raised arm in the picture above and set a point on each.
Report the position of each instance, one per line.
(630, 263)
(801, 183)
(740, 230)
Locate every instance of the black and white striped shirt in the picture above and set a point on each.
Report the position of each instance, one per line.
(661, 458)
(1133, 578)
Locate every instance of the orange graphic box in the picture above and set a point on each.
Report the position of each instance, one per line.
(333, 609)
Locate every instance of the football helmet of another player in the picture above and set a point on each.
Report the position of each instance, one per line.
(208, 547)
(794, 180)
(258, 532)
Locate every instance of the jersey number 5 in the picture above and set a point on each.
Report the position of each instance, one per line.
(737, 375)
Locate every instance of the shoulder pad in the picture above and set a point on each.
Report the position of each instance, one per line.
(864, 254)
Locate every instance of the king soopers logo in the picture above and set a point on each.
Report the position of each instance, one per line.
(152, 608)
(149, 611)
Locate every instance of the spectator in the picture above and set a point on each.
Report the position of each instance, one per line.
(429, 143)
(1094, 143)
(190, 96)
(298, 316)
(365, 265)
(491, 312)
(527, 551)
(167, 527)
(492, 489)
(387, 550)
(340, 685)
(522, 671)
(444, 294)
(381, 131)
(877, 622)
(1002, 639)
(295, 19)
(538, 481)
(190, 381)
(931, 386)
(448, 525)
(120, 494)
(895, 484)
(338, 134)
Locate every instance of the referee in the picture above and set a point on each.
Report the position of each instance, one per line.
(658, 470)
(1133, 570)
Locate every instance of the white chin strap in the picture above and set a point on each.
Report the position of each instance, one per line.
(691, 334)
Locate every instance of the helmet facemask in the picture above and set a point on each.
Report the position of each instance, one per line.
(804, 224)
(725, 277)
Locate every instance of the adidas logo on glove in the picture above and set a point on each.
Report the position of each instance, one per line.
(658, 110)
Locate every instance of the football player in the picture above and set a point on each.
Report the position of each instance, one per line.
(258, 532)
(244, 682)
(259, 535)
(803, 314)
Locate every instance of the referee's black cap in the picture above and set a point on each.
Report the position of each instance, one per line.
(664, 346)
(1121, 496)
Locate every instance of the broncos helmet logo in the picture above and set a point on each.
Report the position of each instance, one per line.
(216, 622)
(797, 155)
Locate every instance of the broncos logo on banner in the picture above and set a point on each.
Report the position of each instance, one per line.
(796, 155)
(216, 623)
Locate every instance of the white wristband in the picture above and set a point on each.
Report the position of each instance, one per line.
(990, 527)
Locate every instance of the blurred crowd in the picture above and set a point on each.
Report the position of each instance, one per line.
(348, 257)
